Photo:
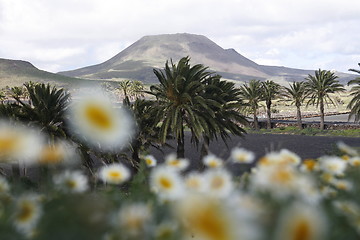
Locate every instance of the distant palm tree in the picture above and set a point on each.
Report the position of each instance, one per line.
(319, 87)
(354, 104)
(180, 98)
(252, 94)
(296, 91)
(270, 91)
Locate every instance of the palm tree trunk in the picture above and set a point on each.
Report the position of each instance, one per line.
(180, 151)
(322, 115)
(256, 123)
(298, 117)
(205, 147)
(268, 112)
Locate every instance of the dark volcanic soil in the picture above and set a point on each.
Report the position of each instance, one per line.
(304, 146)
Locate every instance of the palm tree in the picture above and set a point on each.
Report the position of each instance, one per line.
(252, 94)
(270, 91)
(354, 104)
(228, 118)
(319, 87)
(46, 107)
(180, 97)
(296, 91)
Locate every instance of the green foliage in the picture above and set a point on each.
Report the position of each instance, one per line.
(354, 104)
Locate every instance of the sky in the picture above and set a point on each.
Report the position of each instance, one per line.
(59, 35)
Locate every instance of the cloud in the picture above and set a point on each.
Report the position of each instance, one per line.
(67, 34)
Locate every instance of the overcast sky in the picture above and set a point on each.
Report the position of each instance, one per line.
(58, 35)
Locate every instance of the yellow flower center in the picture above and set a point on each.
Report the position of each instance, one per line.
(71, 184)
(309, 164)
(302, 231)
(115, 174)
(217, 182)
(174, 163)
(149, 161)
(98, 117)
(51, 154)
(26, 212)
(193, 183)
(213, 164)
(282, 176)
(8, 144)
(207, 222)
(165, 183)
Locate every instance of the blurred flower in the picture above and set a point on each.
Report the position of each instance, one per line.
(150, 160)
(27, 213)
(4, 185)
(327, 191)
(134, 220)
(71, 181)
(218, 183)
(332, 165)
(309, 165)
(114, 173)
(60, 152)
(283, 157)
(347, 207)
(19, 143)
(301, 221)
(241, 155)
(354, 161)
(95, 120)
(212, 161)
(207, 218)
(167, 183)
(166, 230)
(177, 163)
(347, 149)
(342, 184)
(195, 182)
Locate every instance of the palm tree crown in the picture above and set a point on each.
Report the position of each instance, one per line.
(354, 104)
(319, 87)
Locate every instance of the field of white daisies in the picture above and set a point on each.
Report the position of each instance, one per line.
(280, 196)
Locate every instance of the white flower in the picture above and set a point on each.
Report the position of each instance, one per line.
(71, 181)
(342, 184)
(195, 182)
(27, 213)
(115, 173)
(301, 221)
(212, 161)
(167, 183)
(332, 165)
(289, 157)
(218, 182)
(59, 153)
(135, 220)
(284, 157)
(347, 149)
(98, 122)
(309, 165)
(354, 161)
(19, 143)
(177, 163)
(150, 160)
(241, 155)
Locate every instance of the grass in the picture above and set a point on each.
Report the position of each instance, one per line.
(308, 131)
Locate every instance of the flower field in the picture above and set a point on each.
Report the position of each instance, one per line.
(279, 196)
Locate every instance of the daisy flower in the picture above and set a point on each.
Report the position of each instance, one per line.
(195, 182)
(60, 152)
(115, 173)
(347, 149)
(212, 161)
(354, 161)
(204, 217)
(218, 183)
(301, 221)
(167, 183)
(135, 219)
(241, 155)
(27, 213)
(333, 165)
(166, 230)
(309, 165)
(150, 160)
(177, 163)
(342, 184)
(19, 143)
(289, 157)
(95, 120)
(71, 181)
(283, 157)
